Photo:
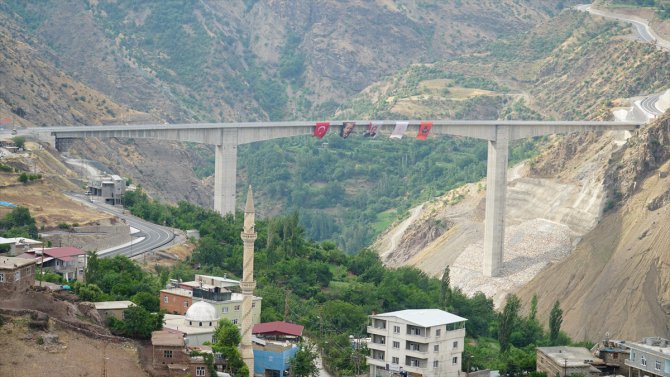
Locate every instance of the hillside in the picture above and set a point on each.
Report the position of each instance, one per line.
(301, 59)
(556, 199)
(616, 279)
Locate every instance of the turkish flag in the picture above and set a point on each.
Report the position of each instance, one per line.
(424, 130)
(321, 129)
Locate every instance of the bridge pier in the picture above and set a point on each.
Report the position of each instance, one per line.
(225, 169)
(496, 194)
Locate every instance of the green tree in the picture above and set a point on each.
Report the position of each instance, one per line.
(533, 308)
(137, 323)
(507, 321)
(227, 341)
(445, 288)
(147, 300)
(18, 223)
(19, 141)
(303, 364)
(555, 321)
(89, 292)
(23, 178)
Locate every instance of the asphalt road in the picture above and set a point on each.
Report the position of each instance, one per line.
(152, 236)
(641, 28)
(649, 104)
(643, 32)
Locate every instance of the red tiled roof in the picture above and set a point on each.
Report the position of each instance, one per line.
(278, 327)
(60, 252)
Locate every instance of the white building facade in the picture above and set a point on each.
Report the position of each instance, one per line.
(418, 342)
(648, 358)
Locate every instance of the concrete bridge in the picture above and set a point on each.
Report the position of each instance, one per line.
(227, 136)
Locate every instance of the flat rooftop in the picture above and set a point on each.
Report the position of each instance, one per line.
(12, 263)
(178, 291)
(111, 305)
(569, 356)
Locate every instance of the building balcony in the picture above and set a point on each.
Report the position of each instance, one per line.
(377, 346)
(418, 338)
(416, 353)
(376, 362)
(376, 330)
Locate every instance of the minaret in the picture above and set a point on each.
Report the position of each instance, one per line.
(248, 284)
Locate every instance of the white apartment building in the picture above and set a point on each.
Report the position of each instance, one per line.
(418, 342)
(648, 358)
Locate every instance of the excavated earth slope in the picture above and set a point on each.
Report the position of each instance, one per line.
(617, 280)
(545, 216)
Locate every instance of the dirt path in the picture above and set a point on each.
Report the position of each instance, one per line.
(400, 230)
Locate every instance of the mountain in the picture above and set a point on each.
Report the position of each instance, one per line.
(254, 60)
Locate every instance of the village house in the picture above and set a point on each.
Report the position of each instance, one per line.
(649, 357)
(19, 245)
(69, 262)
(16, 274)
(567, 361)
(275, 344)
(171, 355)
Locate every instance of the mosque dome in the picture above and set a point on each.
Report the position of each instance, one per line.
(201, 311)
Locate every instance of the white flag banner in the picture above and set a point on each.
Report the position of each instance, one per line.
(399, 130)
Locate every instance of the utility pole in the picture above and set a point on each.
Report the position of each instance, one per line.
(286, 295)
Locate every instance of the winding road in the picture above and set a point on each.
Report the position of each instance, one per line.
(648, 105)
(150, 236)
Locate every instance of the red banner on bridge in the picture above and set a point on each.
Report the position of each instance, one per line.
(321, 129)
(424, 130)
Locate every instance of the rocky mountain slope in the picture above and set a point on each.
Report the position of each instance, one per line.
(616, 280)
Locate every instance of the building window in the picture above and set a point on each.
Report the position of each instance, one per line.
(17, 275)
(186, 304)
(658, 365)
(236, 308)
(2, 278)
(435, 364)
(253, 304)
(395, 360)
(454, 361)
(199, 371)
(456, 344)
(643, 360)
(396, 344)
(438, 332)
(165, 299)
(615, 355)
(235, 321)
(436, 348)
(396, 329)
(632, 356)
(167, 354)
(225, 309)
(200, 324)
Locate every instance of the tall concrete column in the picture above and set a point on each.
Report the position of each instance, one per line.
(225, 173)
(496, 194)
